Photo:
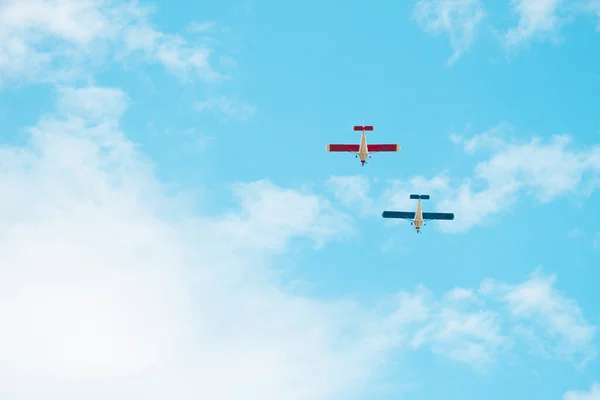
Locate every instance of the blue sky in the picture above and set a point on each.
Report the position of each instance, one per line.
(174, 229)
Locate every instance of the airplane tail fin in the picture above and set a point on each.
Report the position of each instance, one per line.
(419, 196)
(363, 128)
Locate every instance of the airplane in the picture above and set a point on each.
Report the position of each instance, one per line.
(362, 150)
(419, 216)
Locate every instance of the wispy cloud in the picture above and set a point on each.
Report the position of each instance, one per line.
(459, 19)
(575, 233)
(543, 19)
(594, 7)
(58, 41)
(93, 103)
(548, 169)
(593, 394)
(471, 336)
(201, 26)
(267, 217)
(227, 107)
(560, 319)
(352, 191)
(538, 19)
(466, 324)
(492, 140)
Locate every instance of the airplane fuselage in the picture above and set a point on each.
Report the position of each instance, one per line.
(418, 221)
(363, 150)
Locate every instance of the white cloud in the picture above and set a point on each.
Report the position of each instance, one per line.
(352, 191)
(449, 328)
(549, 169)
(60, 40)
(104, 279)
(455, 138)
(593, 394)
(459, 294)
(472, 337)
(110, 288)
(537, 19)
(493, 139)
(459, 19)
(270, 215)
(467, 326)
(542, 19)
(561, 319)
(93, 102)
(594, 6)
(201, 26)
(227, 107)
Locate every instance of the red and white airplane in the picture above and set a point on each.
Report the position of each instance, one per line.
(363, 150)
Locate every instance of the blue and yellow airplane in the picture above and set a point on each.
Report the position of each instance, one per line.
(418, 217)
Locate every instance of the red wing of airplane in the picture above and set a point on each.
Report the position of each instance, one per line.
(375, 148)
(371, 148)
(352, 148)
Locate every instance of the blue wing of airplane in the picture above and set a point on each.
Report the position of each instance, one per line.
(398, 214)
(438, 216)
